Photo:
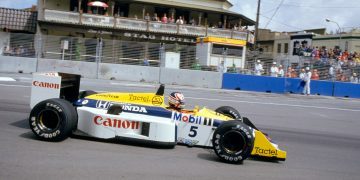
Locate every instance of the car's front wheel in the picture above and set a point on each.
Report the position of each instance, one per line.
(233, 141)
(229, 111)
(53, 119)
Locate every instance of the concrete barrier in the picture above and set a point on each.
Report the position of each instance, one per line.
(253, 83)
(86, 69)
(129, 72)
(292, 85)
(288, 85)
(191, 78)
(178, 76)
(346, 89)
(17, 64)
(114, 71)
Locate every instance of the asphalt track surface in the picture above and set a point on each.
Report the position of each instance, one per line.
(320, 134)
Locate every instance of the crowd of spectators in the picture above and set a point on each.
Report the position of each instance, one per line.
(18, 50)
(327, 64)
(329, 55)
(335, 71)
(180, 20)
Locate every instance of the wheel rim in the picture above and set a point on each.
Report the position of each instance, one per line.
(233, 142)
(48, 120)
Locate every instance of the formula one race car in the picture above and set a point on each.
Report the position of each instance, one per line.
(59, 110)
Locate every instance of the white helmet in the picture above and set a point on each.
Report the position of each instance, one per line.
(176, 100)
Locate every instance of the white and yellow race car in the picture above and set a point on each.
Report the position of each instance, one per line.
(59, 110)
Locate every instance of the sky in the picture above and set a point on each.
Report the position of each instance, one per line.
(280, 15)
(295, 15)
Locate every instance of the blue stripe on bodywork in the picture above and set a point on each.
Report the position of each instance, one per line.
(150, 110)
(217, 123)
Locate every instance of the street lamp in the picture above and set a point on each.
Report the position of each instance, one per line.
(328, 20)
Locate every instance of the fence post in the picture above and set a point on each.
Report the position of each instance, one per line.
(38, 50)
(161, 59)
(98, 56)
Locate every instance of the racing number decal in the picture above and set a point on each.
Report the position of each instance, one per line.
(193, 131)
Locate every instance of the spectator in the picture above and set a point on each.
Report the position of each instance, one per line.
(192, 22)
(281, 71)
(155, 17)
(258, 68)
(147, 17)
(315, 75)
(332, 73)
(171, 19)
(302, 74)
(220, 25)
(288, 72)
(274, 70)
(180, 20)
(293, 73)
(221, 67)
(343, 77)
(146, 62)
(307, 79)
(354, 78)
(164, 19)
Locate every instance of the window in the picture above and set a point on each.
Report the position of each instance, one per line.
(279, 48)
(286, 48)
(228, 50)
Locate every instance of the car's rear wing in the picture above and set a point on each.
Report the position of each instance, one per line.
(48, 85)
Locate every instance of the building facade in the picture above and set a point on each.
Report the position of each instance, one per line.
(121, 24)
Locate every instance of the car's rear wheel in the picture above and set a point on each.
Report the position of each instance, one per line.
(229, 111)
(233, 141)
(53, 119)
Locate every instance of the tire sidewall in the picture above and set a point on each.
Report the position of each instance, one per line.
(64, 111)
(240, 128)
(229, 111)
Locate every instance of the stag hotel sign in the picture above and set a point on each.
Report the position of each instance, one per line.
(149, 36)
(159, 37)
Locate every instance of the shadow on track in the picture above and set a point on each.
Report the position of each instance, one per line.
(24, 124)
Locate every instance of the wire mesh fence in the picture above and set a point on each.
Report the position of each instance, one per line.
(115, 51)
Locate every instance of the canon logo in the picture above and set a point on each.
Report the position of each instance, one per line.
(46, 85)
(116, 123)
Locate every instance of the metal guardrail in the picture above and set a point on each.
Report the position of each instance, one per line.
(124, 23)
(164, 28)
(95, 20)
(137, 24)
(62, 16)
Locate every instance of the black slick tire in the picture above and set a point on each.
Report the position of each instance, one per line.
(233, 141)
(229, 111)
(53, 119)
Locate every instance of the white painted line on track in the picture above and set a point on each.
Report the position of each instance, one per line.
(276, 104)
(13, 85)
(7, 79)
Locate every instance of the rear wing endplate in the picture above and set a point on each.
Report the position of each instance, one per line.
(49, 85)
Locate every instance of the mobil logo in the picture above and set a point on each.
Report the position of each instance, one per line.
(187, 118)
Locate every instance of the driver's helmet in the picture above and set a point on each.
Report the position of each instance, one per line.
(176, 100)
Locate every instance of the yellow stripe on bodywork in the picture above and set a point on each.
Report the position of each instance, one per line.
(264, 148)
(148, 99)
